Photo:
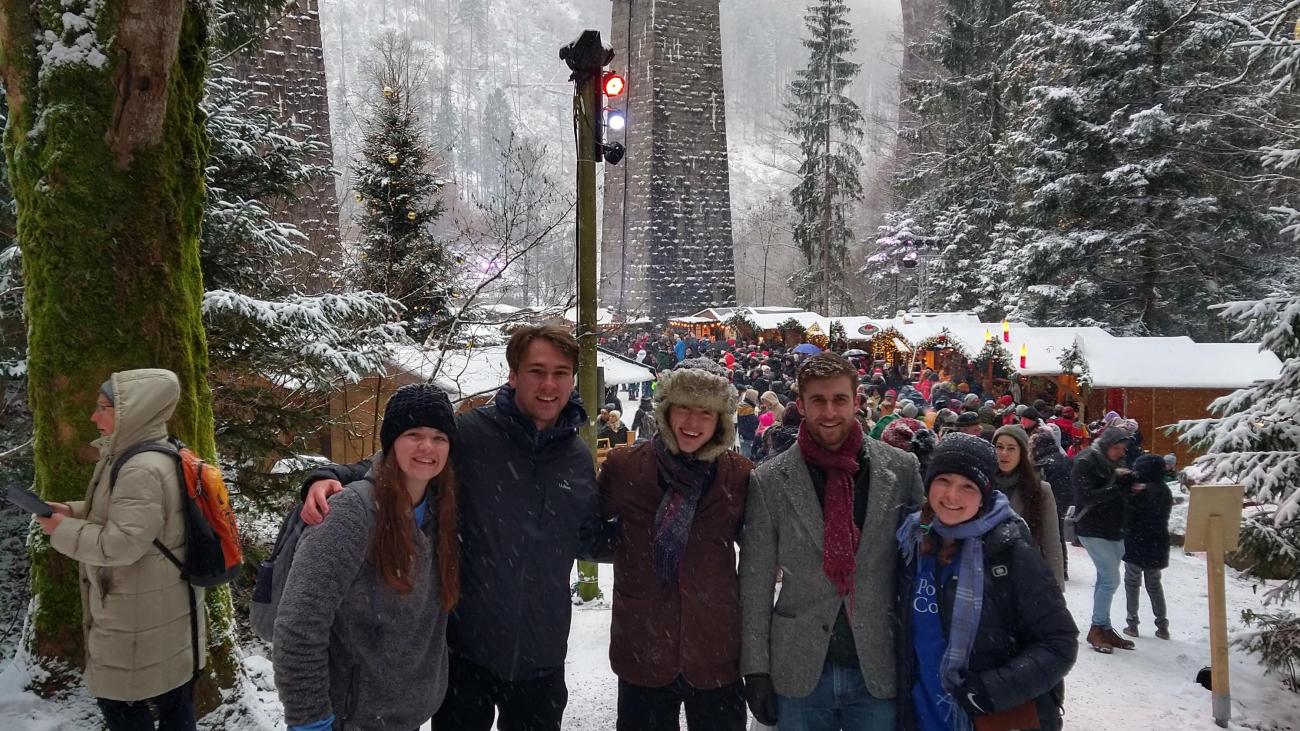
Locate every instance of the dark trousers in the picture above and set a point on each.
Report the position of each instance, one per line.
(475, 696)
(658, 709)
(175, 711)
(1134, 577)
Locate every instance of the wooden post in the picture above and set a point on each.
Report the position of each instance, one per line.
(587, 58)
(1213, 526)
(1222, 697)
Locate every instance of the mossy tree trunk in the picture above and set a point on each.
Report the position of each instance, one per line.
(106, 149)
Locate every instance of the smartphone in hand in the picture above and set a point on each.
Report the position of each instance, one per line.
(29, 501)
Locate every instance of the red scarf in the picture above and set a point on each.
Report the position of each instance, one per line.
(840, 535)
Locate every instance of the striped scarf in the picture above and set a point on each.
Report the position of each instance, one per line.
(969, 603)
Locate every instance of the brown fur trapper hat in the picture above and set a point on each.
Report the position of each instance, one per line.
(701, 383)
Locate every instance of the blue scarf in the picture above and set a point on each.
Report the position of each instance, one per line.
(970, 587)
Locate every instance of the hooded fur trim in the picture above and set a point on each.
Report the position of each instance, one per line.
(701, 388)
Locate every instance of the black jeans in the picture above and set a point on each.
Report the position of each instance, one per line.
(474, 693)
(175, 711)
(658, 709)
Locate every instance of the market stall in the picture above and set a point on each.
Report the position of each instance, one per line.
(1160, 381)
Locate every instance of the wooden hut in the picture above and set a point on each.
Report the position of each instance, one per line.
(470, 376)
(1160, 381)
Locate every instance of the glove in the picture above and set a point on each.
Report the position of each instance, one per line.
(972, 696)
(760, 696)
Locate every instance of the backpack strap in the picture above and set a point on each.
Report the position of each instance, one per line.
(172, 448)
(168, 448)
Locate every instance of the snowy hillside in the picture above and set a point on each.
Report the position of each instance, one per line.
(473, 48)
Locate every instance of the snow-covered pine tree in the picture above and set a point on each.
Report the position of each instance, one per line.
(828, 125)
(1253, 439)
(951, 176)
(498, 131)
(395, 183)
(1089, 163)
(272, 350)
(1139, 192)
(1135, 169)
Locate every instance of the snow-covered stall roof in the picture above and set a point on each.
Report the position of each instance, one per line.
(473, 371)
(603, 316)
(770, 320)
(722, 314)
(1175, 363)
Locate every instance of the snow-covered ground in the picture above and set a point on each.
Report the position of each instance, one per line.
(1150, 688)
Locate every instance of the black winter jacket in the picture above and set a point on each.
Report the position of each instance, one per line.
(1056, 471)
(1099, 502)
(747, 425)
(1027, 640)
(528, 508)
(1146, 539)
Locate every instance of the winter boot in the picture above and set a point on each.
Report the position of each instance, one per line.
(1114, 640)
(1097, 640)
(1162, 631)
(1131, 630)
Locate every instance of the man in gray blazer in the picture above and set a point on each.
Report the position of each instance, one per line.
(825, 513)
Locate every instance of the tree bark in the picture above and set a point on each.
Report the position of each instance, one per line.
(106, 148)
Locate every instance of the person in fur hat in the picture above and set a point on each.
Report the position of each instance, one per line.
(679, 500)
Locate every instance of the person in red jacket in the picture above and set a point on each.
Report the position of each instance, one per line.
(679, 500)
(1070, 432)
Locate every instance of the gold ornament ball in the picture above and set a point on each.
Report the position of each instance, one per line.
(392, 159)
(388, 91)
(358, 197)
(410, 215)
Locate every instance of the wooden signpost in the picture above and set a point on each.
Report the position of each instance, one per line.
(1213, 526)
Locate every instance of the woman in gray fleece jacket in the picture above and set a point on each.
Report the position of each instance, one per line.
(360, 635)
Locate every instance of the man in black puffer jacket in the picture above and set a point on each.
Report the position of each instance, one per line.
(1101, 488)
(528, 508)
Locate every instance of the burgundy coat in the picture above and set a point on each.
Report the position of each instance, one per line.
(693, 629)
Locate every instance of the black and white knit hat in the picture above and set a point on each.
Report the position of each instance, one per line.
(416, 405)
(701, 383)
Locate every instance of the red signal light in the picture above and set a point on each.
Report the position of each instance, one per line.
(613, 85)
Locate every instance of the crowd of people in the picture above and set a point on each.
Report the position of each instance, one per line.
(902, 551)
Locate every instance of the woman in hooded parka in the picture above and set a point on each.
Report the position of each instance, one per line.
(135, 606)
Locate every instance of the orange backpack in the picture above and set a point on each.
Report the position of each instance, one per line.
(212, 549)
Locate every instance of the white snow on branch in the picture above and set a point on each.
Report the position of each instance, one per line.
(75, 42)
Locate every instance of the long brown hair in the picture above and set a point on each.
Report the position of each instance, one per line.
(392, 549)
(1031, 488)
